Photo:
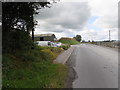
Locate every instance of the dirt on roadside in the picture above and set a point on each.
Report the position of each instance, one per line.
(72, 75)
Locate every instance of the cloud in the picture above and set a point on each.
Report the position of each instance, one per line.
(99, 35)
(107, 10)
(66, 19)
(66, 15)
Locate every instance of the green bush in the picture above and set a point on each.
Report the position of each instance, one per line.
(65, 47)
(49, 54)
(55, 49)
(16, 40)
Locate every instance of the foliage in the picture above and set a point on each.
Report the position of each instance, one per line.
(33, 69)
(89, 41)
(65, 47)
(49, 54)
(24, 67)
(17, 40)
(52, 52)
(17, 22)
(83, 41)
(20, 14)
(78, 38)
(56, 49)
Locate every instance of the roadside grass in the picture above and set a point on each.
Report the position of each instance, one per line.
(70, 42)
(33, 69)
(65, 47)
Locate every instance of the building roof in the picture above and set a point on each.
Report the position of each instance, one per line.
(43, 35)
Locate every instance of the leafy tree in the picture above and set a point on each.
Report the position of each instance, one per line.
(83, 41)
(88, 40)
(78, 38)
(20, 14)
(17, 18)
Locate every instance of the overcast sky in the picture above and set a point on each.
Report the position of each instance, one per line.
(92, 19)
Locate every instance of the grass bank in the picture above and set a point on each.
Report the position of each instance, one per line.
(33, 69)
(69, 41)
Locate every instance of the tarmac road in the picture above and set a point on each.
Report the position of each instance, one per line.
(95, 67)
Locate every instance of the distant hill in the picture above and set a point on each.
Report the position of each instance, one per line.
(67, 40)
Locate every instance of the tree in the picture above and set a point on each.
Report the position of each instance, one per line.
(88, 40)
(78, 38)
(19, 17)
(83, 41)
(20, 14)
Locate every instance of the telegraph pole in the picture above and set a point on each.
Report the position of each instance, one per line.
(109, 35)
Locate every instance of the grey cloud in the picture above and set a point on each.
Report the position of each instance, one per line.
(50, 28)
(67, 15)
(54, 30)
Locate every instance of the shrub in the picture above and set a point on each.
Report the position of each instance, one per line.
(16, 40)
(48, 54)
(65, 47)
(55, 49)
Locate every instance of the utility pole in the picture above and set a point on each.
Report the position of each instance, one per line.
(109, 35)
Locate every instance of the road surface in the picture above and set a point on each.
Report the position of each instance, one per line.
(95, 67)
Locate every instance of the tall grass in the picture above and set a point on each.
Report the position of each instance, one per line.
(33, 69)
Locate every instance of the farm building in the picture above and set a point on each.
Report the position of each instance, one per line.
(44, 37)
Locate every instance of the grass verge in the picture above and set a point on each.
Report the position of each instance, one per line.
(33, 69)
